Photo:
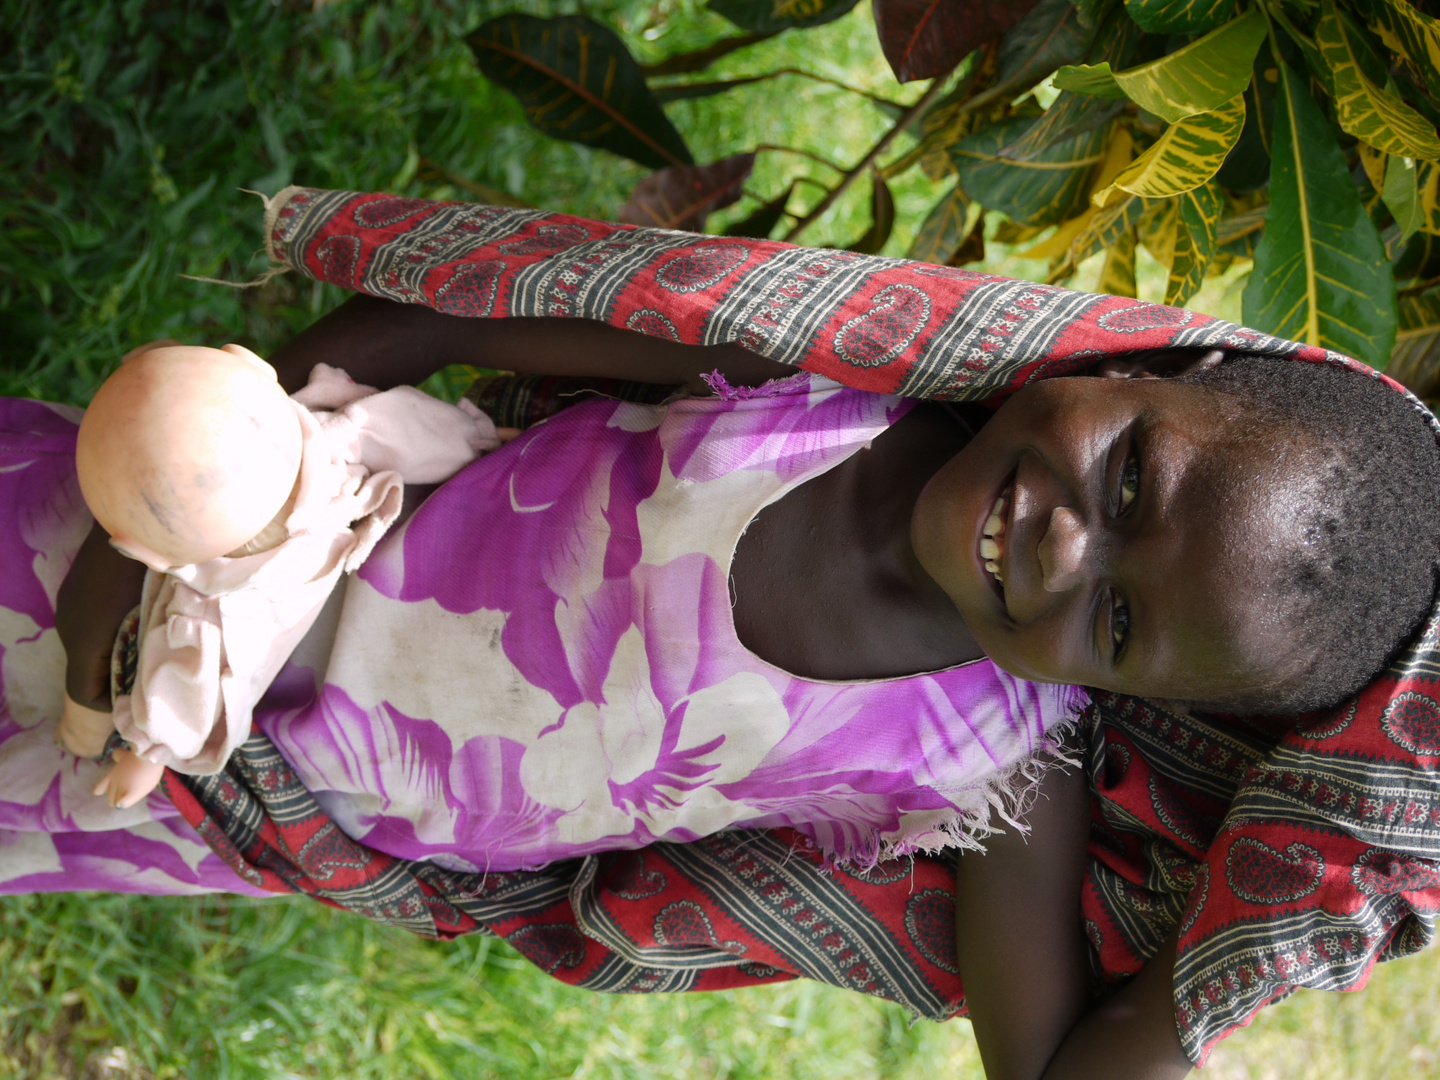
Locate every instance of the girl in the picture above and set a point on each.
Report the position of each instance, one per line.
(1076, 538)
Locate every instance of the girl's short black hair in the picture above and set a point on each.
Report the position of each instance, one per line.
(1363, 577)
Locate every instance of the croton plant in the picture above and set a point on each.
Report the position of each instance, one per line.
(1300, 134)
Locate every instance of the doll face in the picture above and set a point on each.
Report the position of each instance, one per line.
(1137, 540)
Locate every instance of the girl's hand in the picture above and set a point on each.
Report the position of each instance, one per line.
(129, 780)
(84, 732)
(101, 588)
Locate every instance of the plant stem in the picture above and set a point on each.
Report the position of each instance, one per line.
(700, 59)
(803, 153)
(906, 118)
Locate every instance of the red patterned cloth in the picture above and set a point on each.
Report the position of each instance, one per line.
(1294, 855)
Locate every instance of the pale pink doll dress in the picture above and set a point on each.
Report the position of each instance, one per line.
(542, 663)
(214, 635)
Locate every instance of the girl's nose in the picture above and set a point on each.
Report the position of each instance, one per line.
(1063, 551)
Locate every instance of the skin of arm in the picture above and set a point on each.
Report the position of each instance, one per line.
(382, 343)
(1022, 958)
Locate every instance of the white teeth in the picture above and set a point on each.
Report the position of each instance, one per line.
(994, 525)
(994, 568)
(993, 536)
(989, 549)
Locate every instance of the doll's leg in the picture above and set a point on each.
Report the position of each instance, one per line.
(84, 731)
(130, 780)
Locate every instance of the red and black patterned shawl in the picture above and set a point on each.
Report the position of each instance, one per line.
(1289, 856)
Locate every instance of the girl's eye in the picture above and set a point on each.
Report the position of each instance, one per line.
(1129, 482)
(1119, 627)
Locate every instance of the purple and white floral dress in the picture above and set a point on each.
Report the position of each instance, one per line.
(543, 663)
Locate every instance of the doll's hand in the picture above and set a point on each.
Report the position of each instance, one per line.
(130, 780)
(83, 731)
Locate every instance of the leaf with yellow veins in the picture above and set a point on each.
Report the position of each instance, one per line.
(1200, 77)
(1187, 155)
(1117, 155)
(1363, 109)
(1117, 276)
(1196, 231)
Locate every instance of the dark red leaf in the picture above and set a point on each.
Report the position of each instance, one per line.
(925, 38)
(972, 248)
(882, 219)
(680, 197)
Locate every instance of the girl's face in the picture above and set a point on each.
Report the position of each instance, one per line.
(1136, 536)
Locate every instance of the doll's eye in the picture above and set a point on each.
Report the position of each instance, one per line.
(1119, 627)
(1129, 482)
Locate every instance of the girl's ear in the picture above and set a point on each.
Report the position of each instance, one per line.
(1157, 363)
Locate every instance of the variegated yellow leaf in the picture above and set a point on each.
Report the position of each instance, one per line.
(1197, 225)
(1117, 276)
(1117, 155)
(1199, 77)
(1406, 30)
(1415, 360)
(1427, 183)
(1158, 225)
(1363, 109)
(1187, 155)
(1373, 162)
(1106, 227)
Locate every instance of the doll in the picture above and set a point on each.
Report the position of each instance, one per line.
(247, 506)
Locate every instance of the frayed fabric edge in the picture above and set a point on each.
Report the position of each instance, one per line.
(1008, 795)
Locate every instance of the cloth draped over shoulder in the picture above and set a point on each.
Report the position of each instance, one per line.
(213, 635)
(1290, 855)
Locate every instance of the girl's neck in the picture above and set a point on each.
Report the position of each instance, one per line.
(825, 580)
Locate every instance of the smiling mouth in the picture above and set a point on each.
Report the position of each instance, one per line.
(992, 539)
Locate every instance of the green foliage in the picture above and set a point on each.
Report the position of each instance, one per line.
(772, 16)
(1189, 85)
(578, 82)
(1320, 269)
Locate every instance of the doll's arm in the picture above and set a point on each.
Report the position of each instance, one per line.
(129, 780)
(383, 343)
(1023, 962)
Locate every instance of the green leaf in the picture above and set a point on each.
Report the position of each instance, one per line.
(1117, 275)
(1093, 12)
(1106, 227)
(1248, 166)
(882, 219)
(762, 222)
(1187, 155)
(1362, 108)
(1320, 274)
(1050, 35)
(1158, 227)
(1195, 242)
(1179, 16)
(1097, 80)
(1409, 32)
(1040, 190)
(1402, 195)
(770, 16)
(578, 82)
(1415, 360)
(1200, 77)
(941, 233)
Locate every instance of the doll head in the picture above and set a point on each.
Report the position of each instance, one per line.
(186, 453)
(1251, 535)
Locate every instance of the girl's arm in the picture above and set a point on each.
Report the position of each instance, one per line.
(383, 343)
(1023, 962)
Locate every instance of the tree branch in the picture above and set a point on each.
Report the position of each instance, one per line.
(906, 118)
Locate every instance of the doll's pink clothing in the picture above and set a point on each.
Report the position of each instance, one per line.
(215, 634)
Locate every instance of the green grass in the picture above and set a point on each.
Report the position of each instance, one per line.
(126, 132)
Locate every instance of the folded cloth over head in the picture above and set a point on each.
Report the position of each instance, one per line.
(1287, 856)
